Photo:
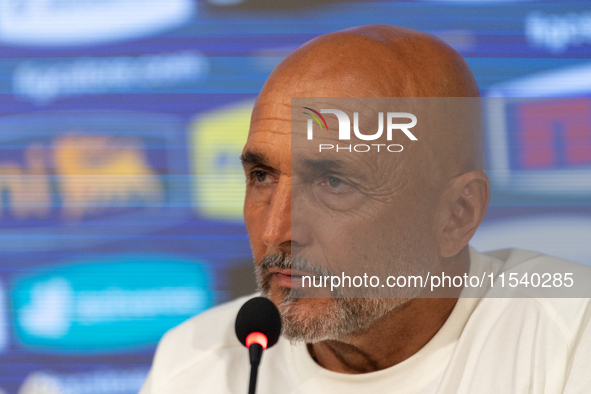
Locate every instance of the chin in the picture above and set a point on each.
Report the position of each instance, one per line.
(311, 320)
(304, 319)
(308, 320)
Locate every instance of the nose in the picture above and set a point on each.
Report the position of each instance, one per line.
(286, 227)
(277, 227)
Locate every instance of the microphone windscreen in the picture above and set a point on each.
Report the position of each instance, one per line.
(258, 315)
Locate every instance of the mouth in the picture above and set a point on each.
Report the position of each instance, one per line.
(288, 278)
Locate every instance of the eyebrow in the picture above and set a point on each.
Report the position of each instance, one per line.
(320, 164)
(254, 158)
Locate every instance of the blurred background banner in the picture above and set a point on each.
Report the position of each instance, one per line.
(121, 124)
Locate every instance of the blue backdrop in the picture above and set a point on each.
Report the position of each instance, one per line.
(121, 124)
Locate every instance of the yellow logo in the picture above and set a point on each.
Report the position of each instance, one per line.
(95, 170)
(91, 172)
(217, 139)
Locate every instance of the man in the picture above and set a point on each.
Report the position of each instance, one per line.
(419, 216)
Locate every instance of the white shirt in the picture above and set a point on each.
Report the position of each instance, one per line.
(487, 345)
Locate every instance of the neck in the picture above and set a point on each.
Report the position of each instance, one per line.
(393, 338)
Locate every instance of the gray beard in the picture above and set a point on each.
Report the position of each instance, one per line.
(341, 317)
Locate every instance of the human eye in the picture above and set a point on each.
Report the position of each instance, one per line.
(261, 177)
(337, 193)
(335, 184)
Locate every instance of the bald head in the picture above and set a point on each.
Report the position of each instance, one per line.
(375, 61)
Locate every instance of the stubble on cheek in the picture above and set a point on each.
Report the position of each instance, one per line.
(312, 320)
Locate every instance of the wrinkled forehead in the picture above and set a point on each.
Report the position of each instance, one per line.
(271, 114)
(432, 138)
(366, 118)
(275, 105)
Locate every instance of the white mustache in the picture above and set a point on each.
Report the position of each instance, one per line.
(284, 261)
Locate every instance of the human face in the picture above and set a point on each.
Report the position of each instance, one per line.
(349, 213)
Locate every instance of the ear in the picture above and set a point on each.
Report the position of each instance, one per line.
(464, 207)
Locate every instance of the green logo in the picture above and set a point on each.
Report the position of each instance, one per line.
(108, 305)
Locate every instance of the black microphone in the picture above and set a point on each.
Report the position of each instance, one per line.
(258, 326)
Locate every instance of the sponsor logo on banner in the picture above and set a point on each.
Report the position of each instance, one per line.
(539, 133)
(217, 139)
(108, 305)
(59, 169)
(96, 382)
(75, 22)
(557, 33)
(46, 80)
(344, 129)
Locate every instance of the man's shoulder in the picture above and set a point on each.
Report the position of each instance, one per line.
(534, 274)
(539, 286)
(196, 339)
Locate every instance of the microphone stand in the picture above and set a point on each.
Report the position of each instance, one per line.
(255, 352)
